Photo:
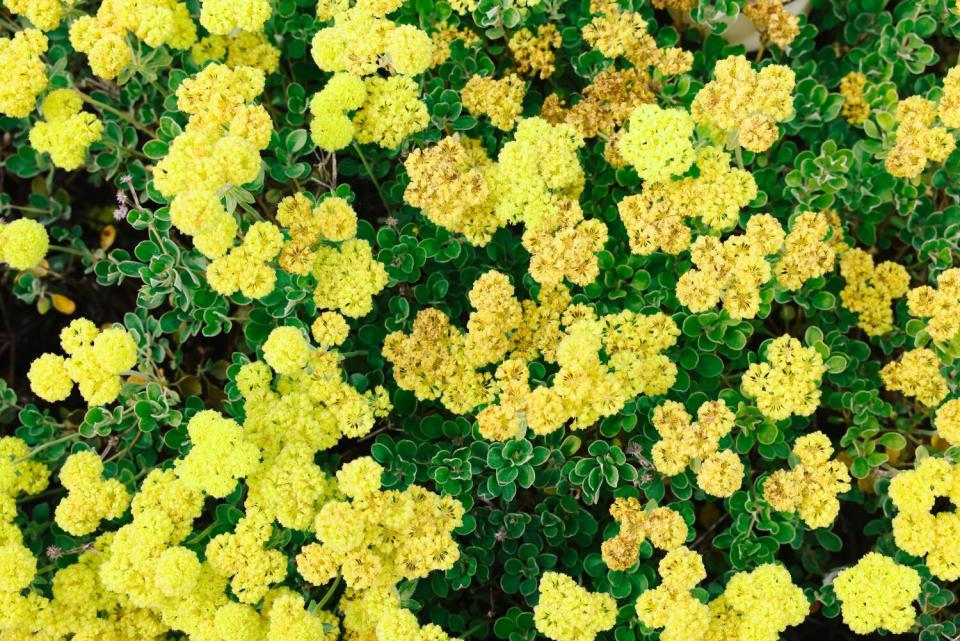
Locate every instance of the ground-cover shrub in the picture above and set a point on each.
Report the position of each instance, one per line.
(392, 320)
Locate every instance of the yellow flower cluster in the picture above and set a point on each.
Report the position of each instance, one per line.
(220, 455)
(220, 149)
(392, 112)
(788, 384)
(856, 109)
(870, 290)
(379, 537)
(746, 105)
(96, 360)
(376, 615)
(756, 606)
(917, 374)
(223, 17)
(454, 184)
(436, 361)
(616, 33)
(45, 15)
(663, 527)
(244, 49)
(775, 24)
(242, 556)
(940, 305)
(918, 141)
(67, 132)
(534, 53)
(670, 606)
(657, 142)
(246, 268)
(656, 217)
(810, 489)
(567, 250)
(536, 181)
(606, 103)
(539, 173)
(682, 440)
(362, 38)
(949, 107)
(333, 221)
(947, 422)
(103, 37)
(25, 71)
(331, 128)
(878, 593)
(17, 475)
(348, 277)
(809, 252)
(500, 100)
(312, 409)
(90, 498)
(916, 529)
(732, 271)
(569, 612)
(23, 243)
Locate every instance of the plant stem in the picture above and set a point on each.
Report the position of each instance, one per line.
(373, 178)
(69, 250)
(329, 594)
(49, 444)
(116, 112)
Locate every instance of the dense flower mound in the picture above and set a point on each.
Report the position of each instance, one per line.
(476, 320)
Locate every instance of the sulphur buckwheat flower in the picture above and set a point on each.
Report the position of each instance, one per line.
(810, 489)
(329, 329)
(534, 52)
(453, 183)
(657, 142)
(918, 141)
(224, 16)
(917, 374)
(855, 109)
(941, 305)
(775, 24)
(917, 530)
(18, 566)
(44, 14)
(331, 128)
(95, 361)
(568, 612)
(656, 218)
(23, 243)
(90, 498)
(20, 58)
(878, 593)
(788, 383)
(732, 271)
(501, 100)
(663, 527)
(808, 251)
(870, 290)
(286, 350)
(757, 605)
(670, 606)
(220, 455)
(67, 132)
(391, 112)
(746, 104)
(947, 421)
(683, 440)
